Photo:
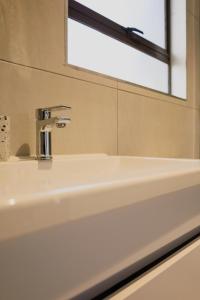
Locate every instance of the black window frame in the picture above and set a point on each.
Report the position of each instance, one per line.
(86, 16)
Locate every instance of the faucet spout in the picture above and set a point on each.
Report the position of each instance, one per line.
(62, 122)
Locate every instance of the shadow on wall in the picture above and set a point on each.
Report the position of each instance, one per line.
(24, 150)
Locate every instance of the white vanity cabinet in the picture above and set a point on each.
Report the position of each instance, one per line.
(177, 278)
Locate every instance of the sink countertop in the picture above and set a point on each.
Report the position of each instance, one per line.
(45, 193)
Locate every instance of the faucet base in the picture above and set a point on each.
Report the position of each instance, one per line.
(44, 157)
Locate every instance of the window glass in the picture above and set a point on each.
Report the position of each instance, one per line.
(95, 51)
(178, 48)
(90, 49)
(146, 15)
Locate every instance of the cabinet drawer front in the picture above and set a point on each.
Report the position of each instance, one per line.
(176, 278)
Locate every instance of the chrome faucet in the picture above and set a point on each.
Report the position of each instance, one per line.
(44, 125)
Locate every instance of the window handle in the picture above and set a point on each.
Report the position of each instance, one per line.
(133, 29)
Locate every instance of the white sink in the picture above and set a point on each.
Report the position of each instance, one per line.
(75, 226)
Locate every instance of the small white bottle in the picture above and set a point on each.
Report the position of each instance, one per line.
(4, 138)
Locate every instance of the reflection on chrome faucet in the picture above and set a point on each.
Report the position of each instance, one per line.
(44, 125)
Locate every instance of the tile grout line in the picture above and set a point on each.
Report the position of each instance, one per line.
(160, 100)
(99, 84)
(56, 73)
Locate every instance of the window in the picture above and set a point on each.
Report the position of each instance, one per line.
(106, 36)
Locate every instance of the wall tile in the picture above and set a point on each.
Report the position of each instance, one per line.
(32, 32)
(149, 127)
(94, 114)
(197, 133)
(193, 6)
(193, 61)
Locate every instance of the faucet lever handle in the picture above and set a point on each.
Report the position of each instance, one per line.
(57, 108)
(45, 113)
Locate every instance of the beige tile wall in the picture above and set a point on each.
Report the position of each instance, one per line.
(149, 127)
(108, 115)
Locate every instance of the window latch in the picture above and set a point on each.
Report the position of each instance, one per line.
(133, 29)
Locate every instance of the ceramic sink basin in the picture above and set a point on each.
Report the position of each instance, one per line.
(73, 227)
